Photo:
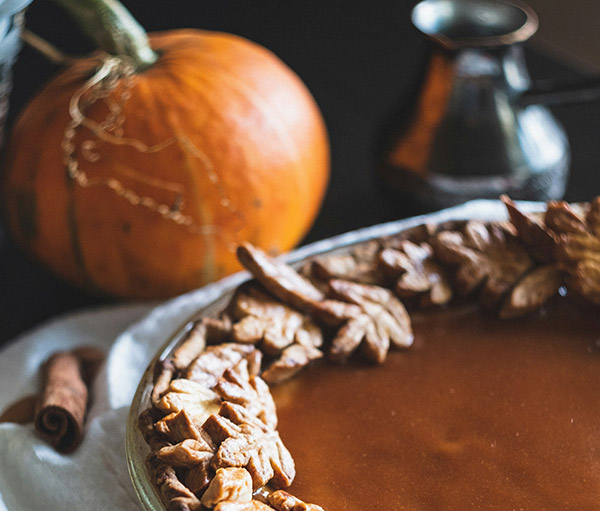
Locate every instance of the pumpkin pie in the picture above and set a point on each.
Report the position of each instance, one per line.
(449, 366)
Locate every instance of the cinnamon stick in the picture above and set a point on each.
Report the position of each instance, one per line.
(64, 397)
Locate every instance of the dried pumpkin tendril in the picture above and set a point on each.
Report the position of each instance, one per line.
(115, 72)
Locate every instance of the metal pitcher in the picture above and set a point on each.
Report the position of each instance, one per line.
(479, 128)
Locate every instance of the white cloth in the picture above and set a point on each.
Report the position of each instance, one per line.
(35, 477)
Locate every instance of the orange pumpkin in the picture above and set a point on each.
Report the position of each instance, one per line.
(141, 184)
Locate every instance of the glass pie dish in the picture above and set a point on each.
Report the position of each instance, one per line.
(219, 295)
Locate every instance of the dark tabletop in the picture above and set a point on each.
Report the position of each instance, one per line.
(358, 58)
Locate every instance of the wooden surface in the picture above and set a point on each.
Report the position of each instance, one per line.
(358, 59)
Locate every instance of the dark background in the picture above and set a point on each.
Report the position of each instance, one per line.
(360, 59)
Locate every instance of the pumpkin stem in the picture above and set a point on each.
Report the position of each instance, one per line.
(112, 28)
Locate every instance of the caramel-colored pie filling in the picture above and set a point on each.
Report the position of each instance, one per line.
(480, 414)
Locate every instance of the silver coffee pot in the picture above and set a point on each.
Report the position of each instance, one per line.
(479, 128)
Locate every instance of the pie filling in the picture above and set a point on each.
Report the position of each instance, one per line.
(479, 413)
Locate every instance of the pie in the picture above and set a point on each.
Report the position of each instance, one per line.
(451, 366)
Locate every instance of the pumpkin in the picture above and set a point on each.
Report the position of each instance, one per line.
(136, 173)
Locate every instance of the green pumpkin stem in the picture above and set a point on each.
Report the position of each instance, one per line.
(112, 28)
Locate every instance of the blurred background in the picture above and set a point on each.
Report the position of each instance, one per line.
(569, 31)
(358, 58)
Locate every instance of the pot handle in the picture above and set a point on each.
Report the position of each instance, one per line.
(562, 92)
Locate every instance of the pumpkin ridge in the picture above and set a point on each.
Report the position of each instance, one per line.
(26, 206)
(209, 255)
(74, 238)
